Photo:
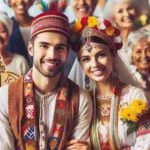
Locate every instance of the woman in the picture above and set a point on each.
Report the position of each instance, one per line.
(113, 101)
(124, 14)
(139, 53)
(13, 62)
(20, 36)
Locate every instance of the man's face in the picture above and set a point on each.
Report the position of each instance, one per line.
(49, 51)
(83, 8)
(141, 56)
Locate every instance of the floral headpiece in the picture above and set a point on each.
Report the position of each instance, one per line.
(94, 26)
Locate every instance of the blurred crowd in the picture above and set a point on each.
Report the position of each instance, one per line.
(130, 16)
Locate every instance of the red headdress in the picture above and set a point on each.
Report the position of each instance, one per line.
(99, 27)
(52, 20)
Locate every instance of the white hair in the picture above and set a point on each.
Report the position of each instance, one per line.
(110, 6)
(7, 22)
(136, 36)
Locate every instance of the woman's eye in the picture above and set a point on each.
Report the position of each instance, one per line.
(101, 55)
(120, 11)
(138, 51)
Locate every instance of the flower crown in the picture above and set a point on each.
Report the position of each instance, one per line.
(94, 26)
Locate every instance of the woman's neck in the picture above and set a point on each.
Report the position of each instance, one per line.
(23, 20)
(44, 84)
(124, 34)
(101, 3)
(104, 89)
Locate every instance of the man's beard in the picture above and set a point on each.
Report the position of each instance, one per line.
(50, 74)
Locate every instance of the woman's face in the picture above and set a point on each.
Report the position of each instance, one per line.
(141, 56)
(97, 63)
(20, 6)
(4, 33)
(83, 8)
(124, 15)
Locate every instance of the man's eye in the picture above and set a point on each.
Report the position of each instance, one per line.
(44, 46)
(58, 48)
(85, 59)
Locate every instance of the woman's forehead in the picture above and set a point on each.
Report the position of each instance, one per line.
(95, 48)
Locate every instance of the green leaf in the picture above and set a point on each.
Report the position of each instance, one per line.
(131, 128)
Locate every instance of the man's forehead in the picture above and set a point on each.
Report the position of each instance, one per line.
(51, 37)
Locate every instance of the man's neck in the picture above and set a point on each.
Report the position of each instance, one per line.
(45, 84)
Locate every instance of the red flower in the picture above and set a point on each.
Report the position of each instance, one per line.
(96, 28)
(116, 90)
(107, 23)
(84, 21)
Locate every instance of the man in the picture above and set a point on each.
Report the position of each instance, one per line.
(44, 110)
(81, 8)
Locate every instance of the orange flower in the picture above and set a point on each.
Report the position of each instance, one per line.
(77, 26)
(110, 31)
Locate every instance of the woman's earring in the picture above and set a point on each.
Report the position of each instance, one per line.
(87, 83)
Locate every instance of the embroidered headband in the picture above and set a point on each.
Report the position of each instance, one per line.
(87, 27)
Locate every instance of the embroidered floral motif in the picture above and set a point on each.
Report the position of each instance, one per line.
(99, 26)
(131, 113)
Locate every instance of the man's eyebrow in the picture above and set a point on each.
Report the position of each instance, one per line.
(61, 44)
(42, 42)
(47, 43)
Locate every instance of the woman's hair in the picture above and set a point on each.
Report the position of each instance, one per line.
(93, 39)
(110, 6)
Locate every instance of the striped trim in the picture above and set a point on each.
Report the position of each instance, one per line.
(114, 142)
(50, 23)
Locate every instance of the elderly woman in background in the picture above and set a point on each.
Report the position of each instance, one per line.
(139, 53)
(121, 118)
(124, 13)
(14, 63)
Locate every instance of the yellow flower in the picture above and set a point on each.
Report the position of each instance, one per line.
(110, 31)
(92, 22)
(140, 105)
(128, 114)
(77, 26)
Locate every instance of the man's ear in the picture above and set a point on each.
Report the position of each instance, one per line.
(30, 48)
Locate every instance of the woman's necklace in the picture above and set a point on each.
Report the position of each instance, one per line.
(103, 97)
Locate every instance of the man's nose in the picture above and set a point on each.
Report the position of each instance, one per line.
(51, 53)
